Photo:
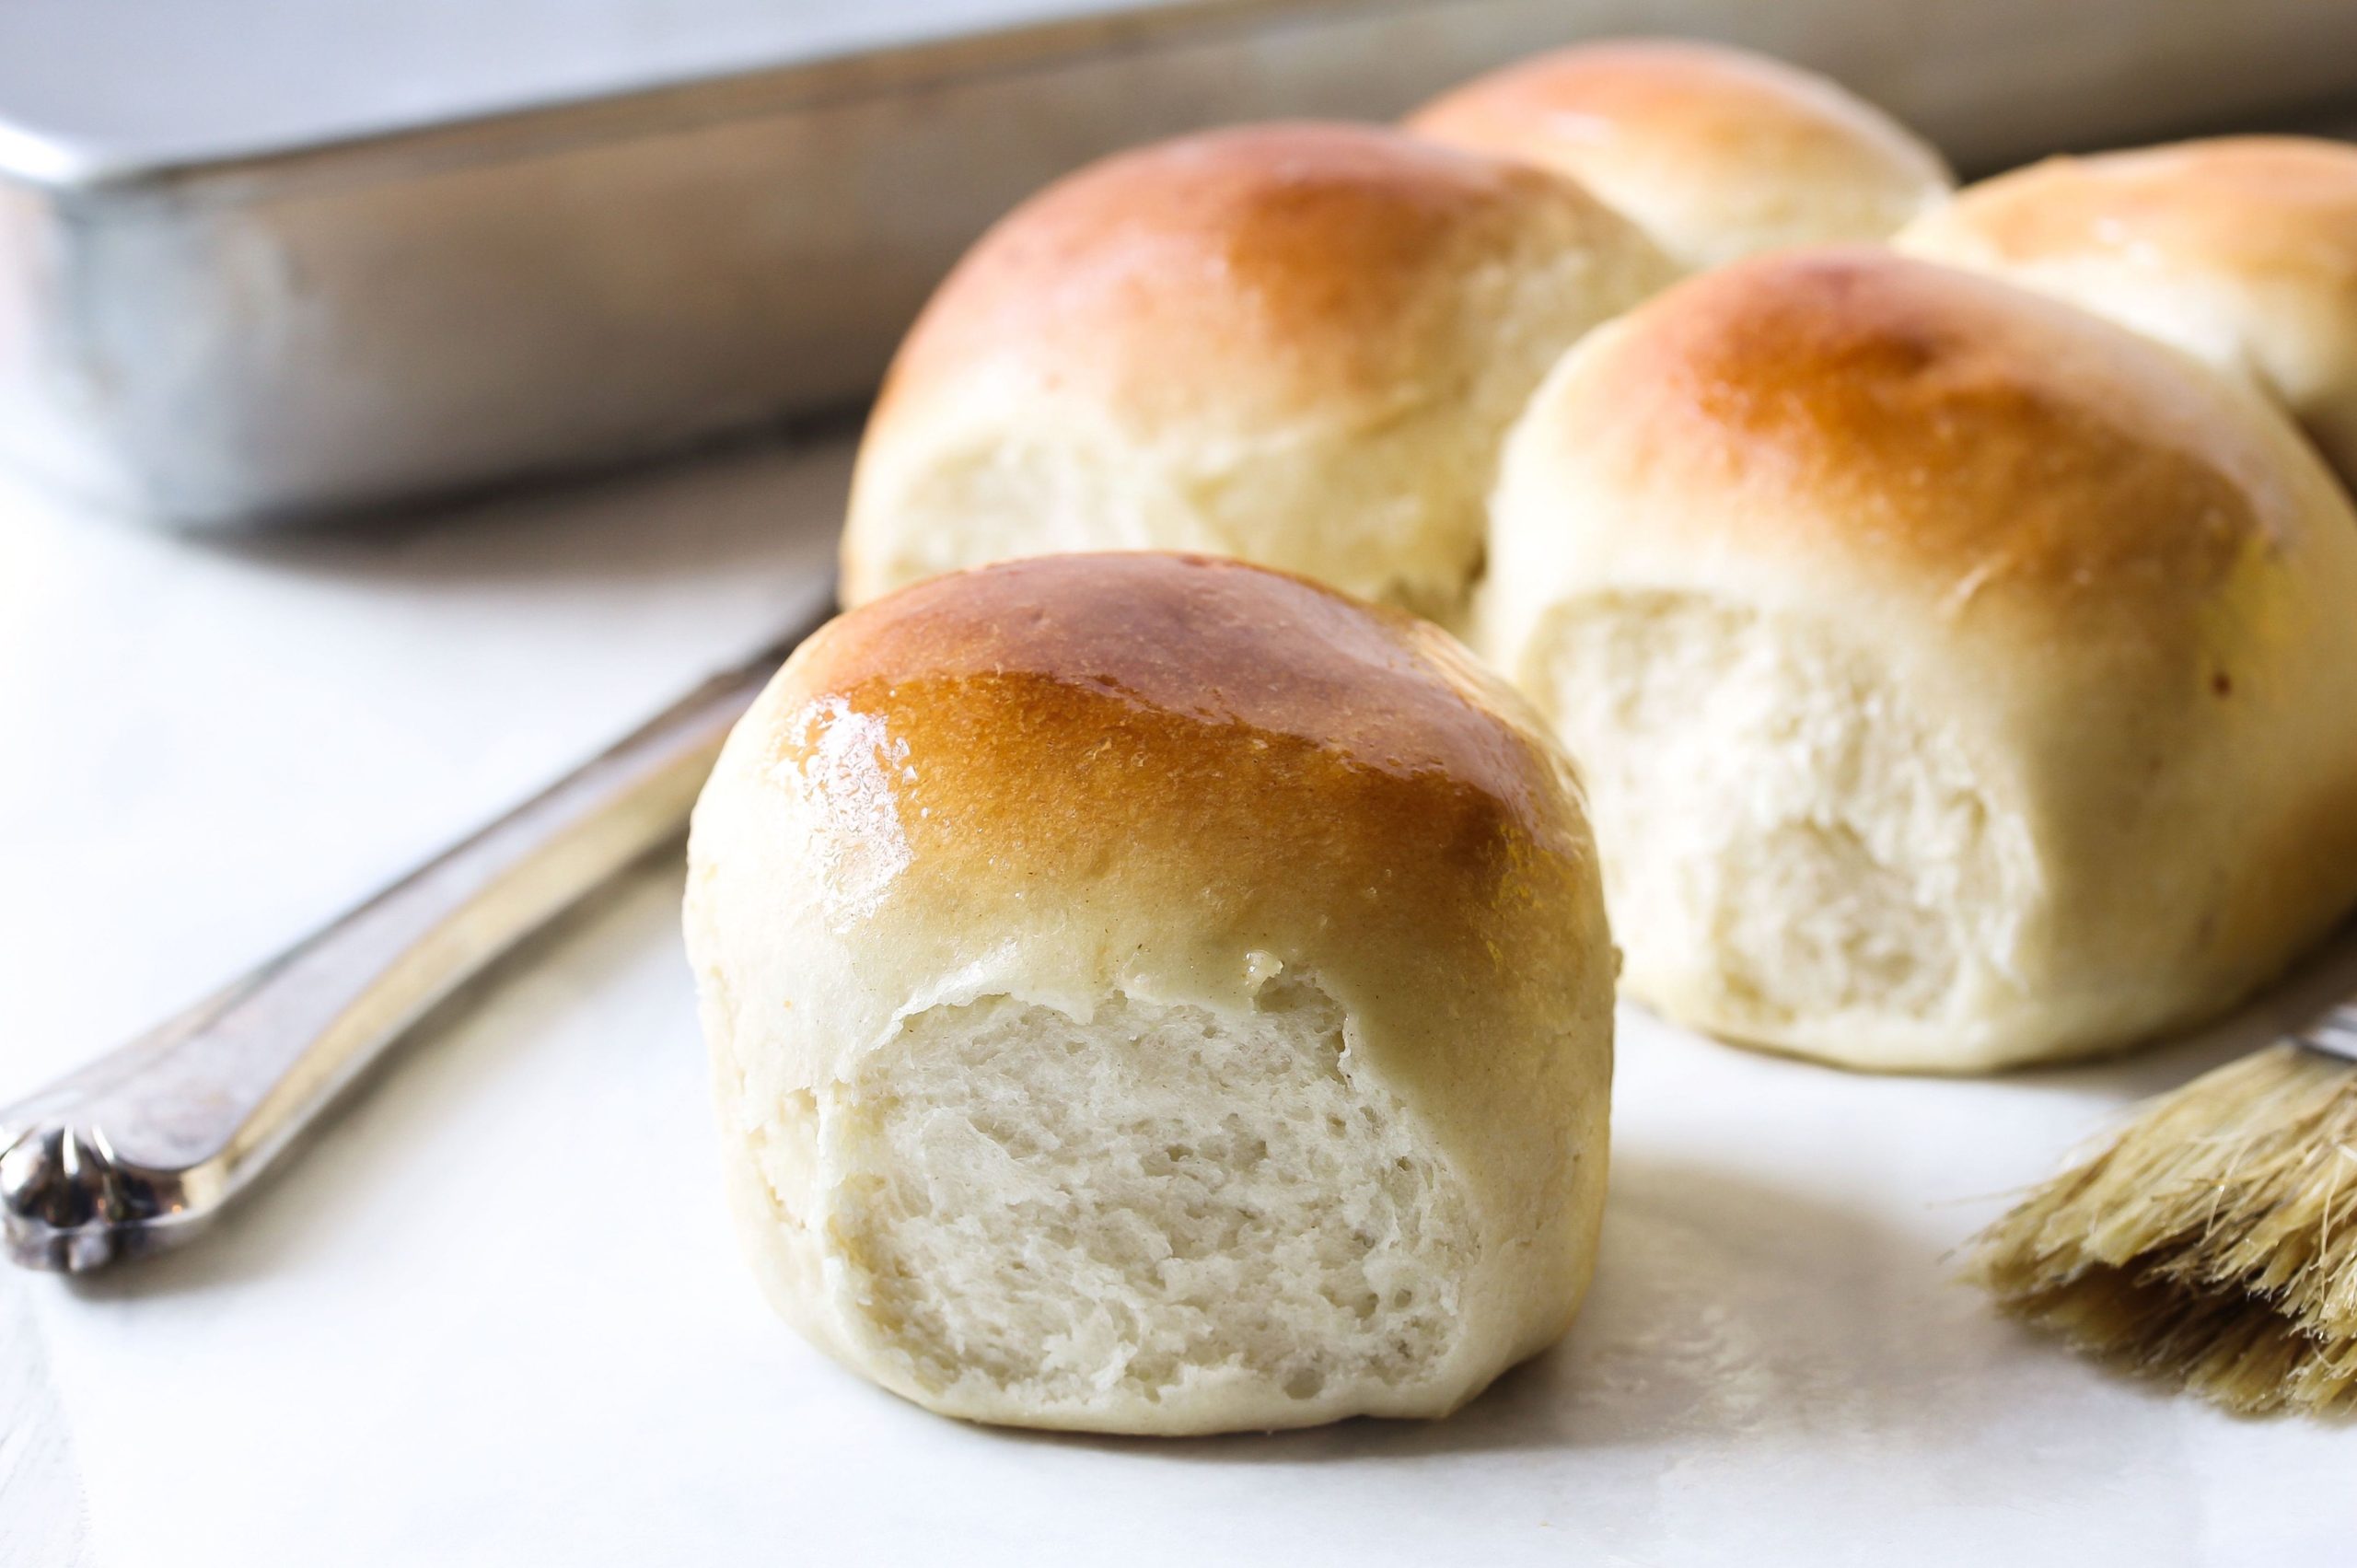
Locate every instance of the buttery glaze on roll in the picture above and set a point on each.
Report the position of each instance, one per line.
(1715, 152)
(1959, 679)
(1154, 995)
(1297, 345)
(2241, 250)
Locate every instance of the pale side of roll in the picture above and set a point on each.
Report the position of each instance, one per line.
(1960, 679)
(2242, 251)
(1154, 995)
(1296, 345)
(1717, 153)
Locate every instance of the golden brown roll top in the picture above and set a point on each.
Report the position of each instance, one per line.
(1297, 345)
(1717, 153)
(1025, 896)
(2241, 250)
(1959, 678)
(1226, 719)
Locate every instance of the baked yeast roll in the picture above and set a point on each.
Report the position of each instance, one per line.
(2242, 251)
(1959, 679)
(1715, 152)
(1154, 995)
(1297, 345)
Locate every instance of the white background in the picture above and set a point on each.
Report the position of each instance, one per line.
(493, 1315)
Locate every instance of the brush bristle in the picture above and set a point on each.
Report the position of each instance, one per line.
(2212, 1243)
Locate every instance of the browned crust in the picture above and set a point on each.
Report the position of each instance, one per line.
(1881, 408)
(2263, 207)
(1292, 259)
(1705, 107)
(1246, 740)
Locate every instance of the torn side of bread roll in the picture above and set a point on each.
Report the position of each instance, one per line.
(1155, 995)
(2241, 250)
(1296, 345)
(1960, 679)
(1717, 153)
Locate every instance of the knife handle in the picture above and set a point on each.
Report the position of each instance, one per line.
(138, 1150)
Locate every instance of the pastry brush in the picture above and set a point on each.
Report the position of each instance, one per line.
(2213, 1242)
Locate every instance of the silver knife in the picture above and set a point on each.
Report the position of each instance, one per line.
(139, 1150)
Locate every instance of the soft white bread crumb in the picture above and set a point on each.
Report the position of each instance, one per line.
(1960, 679)
(1154, 995)
(1157, 1203)
(1777, 805)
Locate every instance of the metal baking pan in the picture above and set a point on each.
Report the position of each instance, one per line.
(260, 261)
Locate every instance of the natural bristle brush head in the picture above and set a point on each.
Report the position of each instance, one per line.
(2212, 1243)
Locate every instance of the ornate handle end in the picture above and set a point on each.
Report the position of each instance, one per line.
(67, 1204)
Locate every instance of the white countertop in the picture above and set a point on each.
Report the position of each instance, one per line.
(493, 1315)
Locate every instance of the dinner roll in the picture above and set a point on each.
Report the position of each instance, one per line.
(1298, 344)
(1150, 993)
(1960, 679)
(1715, 152)
(2241, 250)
